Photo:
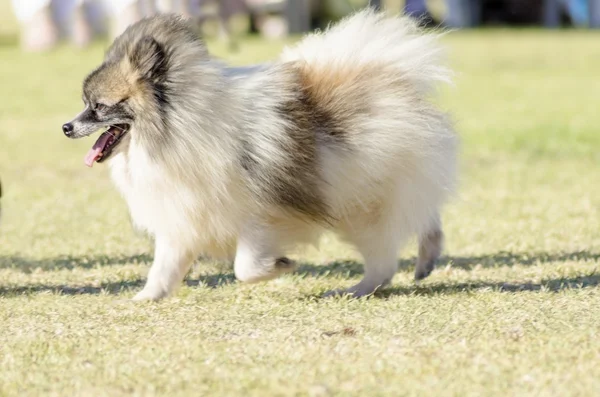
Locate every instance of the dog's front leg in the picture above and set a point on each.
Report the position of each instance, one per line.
(258, 256)
(172, 261)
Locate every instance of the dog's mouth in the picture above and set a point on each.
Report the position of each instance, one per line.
(105, 144)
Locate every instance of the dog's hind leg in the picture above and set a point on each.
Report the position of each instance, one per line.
(259, 255)
(430, 248)
(379, 247)
(171, 263)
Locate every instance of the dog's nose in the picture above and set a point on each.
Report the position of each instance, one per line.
(67, 129)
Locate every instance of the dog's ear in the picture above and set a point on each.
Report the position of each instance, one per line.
(149, 58)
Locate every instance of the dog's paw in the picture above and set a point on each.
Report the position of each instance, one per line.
(284, 265)
(422, 272)
(148, 294)
(357, 291)
(255, 274)
(334, 293)
(424, 269)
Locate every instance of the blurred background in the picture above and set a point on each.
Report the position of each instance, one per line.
(41, 24)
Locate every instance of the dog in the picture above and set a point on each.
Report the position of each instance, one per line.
(338, 134)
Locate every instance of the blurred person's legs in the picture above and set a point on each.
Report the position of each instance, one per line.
(274, 19)
(81, 31)
(127, 12)
(298, 16)
(463, 13)
(578, 12)
(552, 13)
(376, 4)
(80, 20)
(594, 9)
(418, 9)
(415, 8)
(182, 7)
(227, 9)
(39, 30)
(45, 21)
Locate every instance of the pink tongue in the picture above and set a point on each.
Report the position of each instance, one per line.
(94, 153)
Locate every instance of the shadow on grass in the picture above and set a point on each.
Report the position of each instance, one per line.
(550, 285)
(499, 259)
(27, 265)
(336, 269)
(111, 288)
(219, 280)
(348, 268)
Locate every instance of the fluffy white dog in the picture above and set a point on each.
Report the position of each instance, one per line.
(338, 135)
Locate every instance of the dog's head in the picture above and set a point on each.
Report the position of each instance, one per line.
(133, 85)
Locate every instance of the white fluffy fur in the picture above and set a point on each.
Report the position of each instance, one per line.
(196, 201)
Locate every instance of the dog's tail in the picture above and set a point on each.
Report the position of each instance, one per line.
(369, 39)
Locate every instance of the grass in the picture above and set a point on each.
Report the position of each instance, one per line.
(513, 309)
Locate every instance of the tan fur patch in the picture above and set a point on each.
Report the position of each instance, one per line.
(340, 90)
(109, 85)
(132, 87)
(321, 82)
(128, 71)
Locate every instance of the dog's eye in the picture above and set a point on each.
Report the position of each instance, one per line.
(100, 107)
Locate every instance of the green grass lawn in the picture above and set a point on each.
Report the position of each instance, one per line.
(513, 309)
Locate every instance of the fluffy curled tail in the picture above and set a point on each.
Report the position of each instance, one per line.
(370, 38)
